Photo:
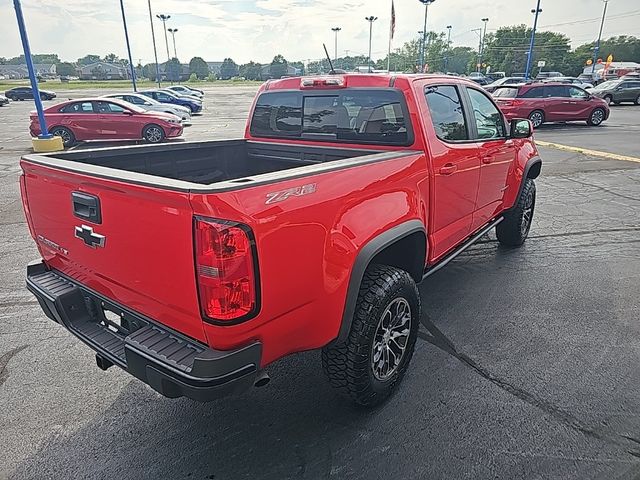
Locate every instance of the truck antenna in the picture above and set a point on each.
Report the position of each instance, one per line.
(332, 71)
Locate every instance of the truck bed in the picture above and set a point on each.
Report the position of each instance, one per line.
(206, 163)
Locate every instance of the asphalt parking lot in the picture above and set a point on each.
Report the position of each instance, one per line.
(542, 381)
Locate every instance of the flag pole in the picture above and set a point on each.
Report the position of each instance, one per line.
(391, 31)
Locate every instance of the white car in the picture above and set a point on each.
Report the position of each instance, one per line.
(190, 95)
(147, 103)
(3, 100)
(572, 80)
(182, 90)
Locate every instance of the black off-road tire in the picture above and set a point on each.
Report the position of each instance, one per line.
(349, 365)
(514, 229)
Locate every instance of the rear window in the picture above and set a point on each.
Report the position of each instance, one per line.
(505, 92)
(356, 116)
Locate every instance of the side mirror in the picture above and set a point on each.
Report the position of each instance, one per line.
(521, 128)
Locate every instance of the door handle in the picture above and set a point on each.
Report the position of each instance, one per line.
(487, 159)
(448, 169)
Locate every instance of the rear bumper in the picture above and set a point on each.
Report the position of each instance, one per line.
(169, 362)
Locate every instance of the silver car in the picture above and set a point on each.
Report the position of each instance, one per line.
(147, 103)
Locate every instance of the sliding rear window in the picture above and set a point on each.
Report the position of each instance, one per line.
(350, 116)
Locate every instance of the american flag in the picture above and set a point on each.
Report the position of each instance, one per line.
(393, 18)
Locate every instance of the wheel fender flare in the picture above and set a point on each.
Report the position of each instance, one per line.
(531, 170)
(362, 261)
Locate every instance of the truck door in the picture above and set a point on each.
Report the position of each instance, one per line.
(497, 154)
(455, 166)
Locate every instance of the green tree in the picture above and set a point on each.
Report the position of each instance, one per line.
(228, 69)
(111, 58)
(193, 78)
(251, 71)
(173, 69)
(37, 58)
(149, 71)
(88, 59)
(66, 69)
(98, 73)
(3, 61)
(198, 66)
(278, 67)
(460, 58)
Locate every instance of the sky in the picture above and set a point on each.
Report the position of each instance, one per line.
(259, 29)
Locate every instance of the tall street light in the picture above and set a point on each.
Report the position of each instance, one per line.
(155, 50)
(420, 48)
(484, 36)
(164, 19)
(424, 33)
(535, 11)
(446, 58)
(336, 30)
(126, 36)
(370, 19)
(173, 31)
(597, 49)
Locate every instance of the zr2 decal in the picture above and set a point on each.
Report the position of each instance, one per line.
(282, 195)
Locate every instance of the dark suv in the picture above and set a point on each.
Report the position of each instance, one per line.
(550, 102)
(618, 91)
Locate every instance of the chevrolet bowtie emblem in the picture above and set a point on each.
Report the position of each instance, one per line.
(90, 238)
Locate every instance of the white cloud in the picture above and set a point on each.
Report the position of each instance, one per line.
(259, 29)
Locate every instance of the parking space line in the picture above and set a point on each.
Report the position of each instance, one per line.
(586, 151)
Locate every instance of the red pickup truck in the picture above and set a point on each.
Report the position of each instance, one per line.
(195, 265)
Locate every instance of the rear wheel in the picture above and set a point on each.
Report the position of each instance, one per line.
(371, 362)
(68, 138)
(153, 133)
(537, 118)
(596, 117)
(637, 102)
(514, 229)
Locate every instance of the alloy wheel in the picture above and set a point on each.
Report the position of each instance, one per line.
(527, 214)
(153, 134)
(536, 119)
(391, 339)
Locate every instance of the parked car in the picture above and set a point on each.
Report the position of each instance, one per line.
(193, 266)
(571, 81)
(618, 91)
(26, 93)
(3, 100)
(631, 76)
(106, 119)
(186, 90)
(504, 81)
(551, 102)
(148, 103)
(182, 95)
(543, 75)
(479, 78)
(167, 97)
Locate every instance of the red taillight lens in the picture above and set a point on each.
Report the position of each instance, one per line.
(225, 269)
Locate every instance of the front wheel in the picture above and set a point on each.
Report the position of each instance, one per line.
(368, 366)
(596, 117)
(637, 101)
(608, 99)
(153, 133)
(514, 229)
(537, 118)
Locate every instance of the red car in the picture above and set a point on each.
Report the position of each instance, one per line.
(551, 102)
(195, 265)
(101, 119)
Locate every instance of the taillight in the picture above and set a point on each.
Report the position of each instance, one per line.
(226, 270)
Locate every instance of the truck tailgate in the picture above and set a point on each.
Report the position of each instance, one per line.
(138, 253)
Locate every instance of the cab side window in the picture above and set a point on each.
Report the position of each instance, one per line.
(489, 120)
(447, 113)
(577, 93)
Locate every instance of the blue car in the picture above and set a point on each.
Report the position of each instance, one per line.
(166, 97)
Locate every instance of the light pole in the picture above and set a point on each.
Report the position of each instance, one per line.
(370, 19)
(597, 49)
(173, 31)
(479, 32)
(420, 48)
(424, 33)
(155, 50)
(126, 36)
(164, 19)
(535, 11)
(484, 36)
(336, 30)
(446, 58)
